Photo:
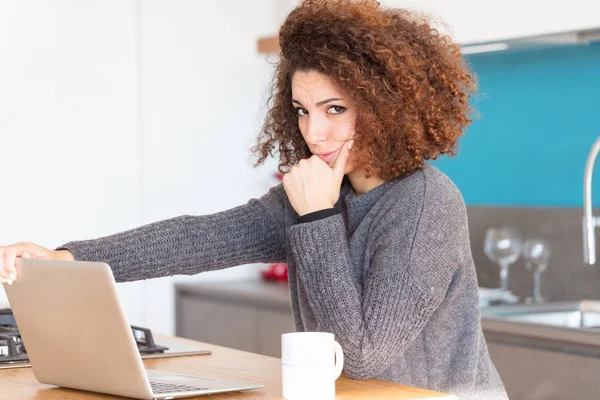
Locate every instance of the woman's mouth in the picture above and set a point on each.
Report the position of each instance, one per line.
(328, 157)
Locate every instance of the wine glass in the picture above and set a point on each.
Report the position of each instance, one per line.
(503, 246)
(536, 252)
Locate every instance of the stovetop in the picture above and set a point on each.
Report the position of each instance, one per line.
(13, 353)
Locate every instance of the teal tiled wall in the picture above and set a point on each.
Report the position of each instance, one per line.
(539, 115)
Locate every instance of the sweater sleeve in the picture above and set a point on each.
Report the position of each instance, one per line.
(190, 244)
(376, 322)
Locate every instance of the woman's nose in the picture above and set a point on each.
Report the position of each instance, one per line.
(317, 131)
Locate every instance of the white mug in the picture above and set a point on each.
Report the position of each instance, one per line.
(310, 364)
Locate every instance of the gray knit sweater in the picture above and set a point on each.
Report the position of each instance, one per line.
(391, 275)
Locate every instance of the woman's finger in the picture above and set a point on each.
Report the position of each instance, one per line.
(342, 160)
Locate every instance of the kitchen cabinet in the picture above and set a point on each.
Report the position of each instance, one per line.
(244, 315)
(458, 18)
(471, 22)
(510, 19)
(490, 21)
(252, 315)
(538, 373)
(231, 325)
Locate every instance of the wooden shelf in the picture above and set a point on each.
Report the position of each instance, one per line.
(270, 44)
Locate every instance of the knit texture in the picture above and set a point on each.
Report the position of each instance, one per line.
(391, 275)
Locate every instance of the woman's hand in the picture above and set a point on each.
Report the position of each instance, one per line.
(312, 185)
(9, 255)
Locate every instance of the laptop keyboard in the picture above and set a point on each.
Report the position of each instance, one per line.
(160, 387)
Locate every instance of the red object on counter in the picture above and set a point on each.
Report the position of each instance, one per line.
(275, 272)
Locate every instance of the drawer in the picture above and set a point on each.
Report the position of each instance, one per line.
(271, 325)
(219, 323)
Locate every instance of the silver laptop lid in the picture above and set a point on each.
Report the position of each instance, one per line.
(74, 329)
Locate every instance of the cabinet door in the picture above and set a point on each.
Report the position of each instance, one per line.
(219, 323)
(508, 19)
(271, 325)
(457, 18)
(530, 373)
(69, 120)
(471, 21)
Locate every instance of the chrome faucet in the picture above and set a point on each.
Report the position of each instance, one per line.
(590, 222)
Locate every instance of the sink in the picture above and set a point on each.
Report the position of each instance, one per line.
(569, 319)
(575, 314)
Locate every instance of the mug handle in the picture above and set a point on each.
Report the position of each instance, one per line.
(339, 360)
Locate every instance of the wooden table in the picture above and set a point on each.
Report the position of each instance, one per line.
(20, 383)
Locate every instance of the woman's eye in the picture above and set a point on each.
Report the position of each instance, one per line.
(300, 111)
(338, 109)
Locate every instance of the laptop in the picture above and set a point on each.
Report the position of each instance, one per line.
(77, 336)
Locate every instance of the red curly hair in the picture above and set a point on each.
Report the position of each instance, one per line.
(409, 84)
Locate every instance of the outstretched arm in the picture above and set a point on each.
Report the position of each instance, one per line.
(190, 244)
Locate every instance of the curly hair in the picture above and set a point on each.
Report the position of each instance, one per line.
(407, 81)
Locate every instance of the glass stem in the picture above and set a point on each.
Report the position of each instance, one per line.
(504, 275)
(537, 295)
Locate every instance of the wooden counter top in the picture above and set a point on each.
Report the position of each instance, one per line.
(20, 383)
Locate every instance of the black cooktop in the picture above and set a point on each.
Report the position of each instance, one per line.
(12, 349)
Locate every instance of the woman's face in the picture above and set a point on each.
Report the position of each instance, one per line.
(326, 117)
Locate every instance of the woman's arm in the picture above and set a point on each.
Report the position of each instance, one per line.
(407, 279)
(189, 244)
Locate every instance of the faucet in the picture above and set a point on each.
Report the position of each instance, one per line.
(590, 222)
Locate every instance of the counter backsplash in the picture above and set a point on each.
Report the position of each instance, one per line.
(566, 278)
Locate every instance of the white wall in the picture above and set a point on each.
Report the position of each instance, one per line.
(118, 113)
(203, 86)
(68, 122)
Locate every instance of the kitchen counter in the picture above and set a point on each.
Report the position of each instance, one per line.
(275, 295)
(225, 363)
(251, 315)
(565, 340)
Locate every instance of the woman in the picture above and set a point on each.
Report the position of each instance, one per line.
(376, 241)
